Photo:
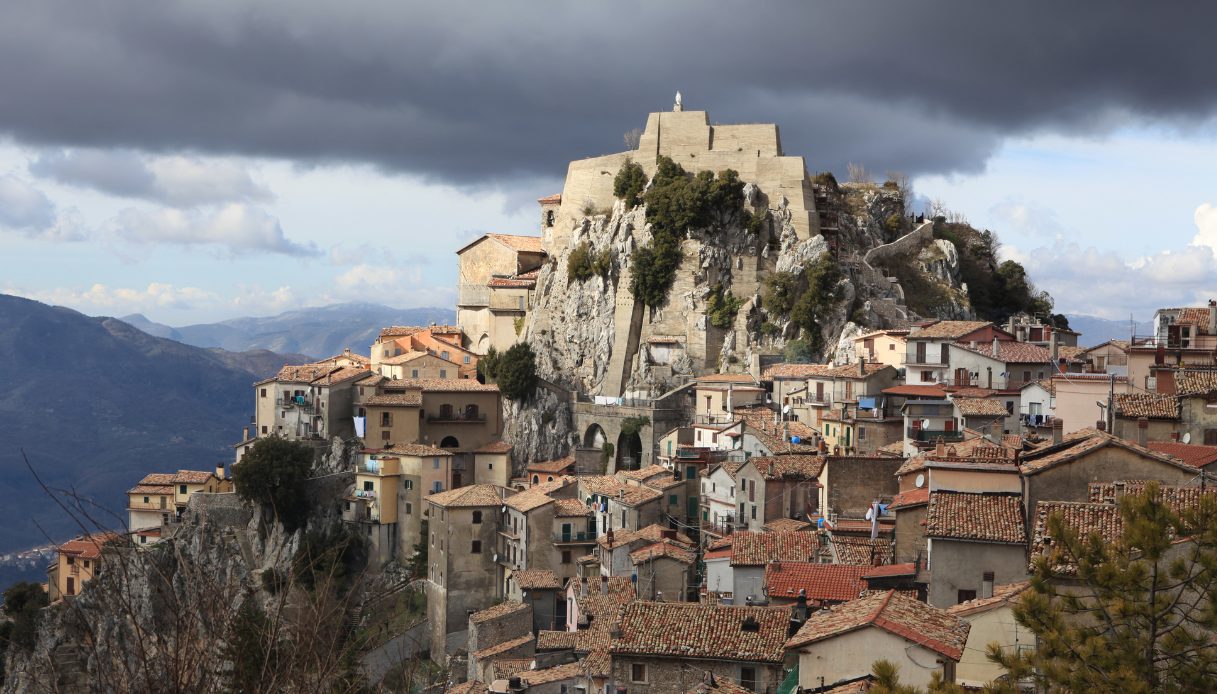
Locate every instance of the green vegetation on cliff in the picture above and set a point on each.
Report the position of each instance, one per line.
(997, 289)
(804, 296)
(273, 474)
(583, 263)
(514, 371)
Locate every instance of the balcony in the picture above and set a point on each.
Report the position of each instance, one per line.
(932, 435)
(456, 417)
(575, 537)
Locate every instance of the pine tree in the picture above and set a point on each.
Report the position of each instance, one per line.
(1134, 615)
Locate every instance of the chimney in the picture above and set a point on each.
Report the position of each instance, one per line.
(1142, 431)
(1052, 345)
(1058, 430)
(245, 434)
(583, 587)
(1164, 381)
(995, 352)
(1213, 316)
(862, 367)
(940, 448)
(220, 470)
(604, 585)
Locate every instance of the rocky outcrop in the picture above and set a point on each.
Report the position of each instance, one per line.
(540, 429)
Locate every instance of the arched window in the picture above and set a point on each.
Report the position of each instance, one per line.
(536, 479)
(449, 442)
(549, 218)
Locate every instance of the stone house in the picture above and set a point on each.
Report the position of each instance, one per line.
(442, 341)
(541, 590)
(818, 584)
(544, 471)
(77, 561)
(849, 391)
(492, 626)
(462, 573)
(1036, 406)
(974, 542)
(772, 487)
(665, 647)
(1110, 357)
(306, 402)
(615, 548)
(717, 395)
(927, 358)
(664, 570)
(986, 415)
(992, 621)
(527, 528)
(1197, 456)
(848, 484)
(416, 364)
(495, 272)
(620, 506)
(717, 498)
(928, 421)
(160, 498)
(751, 552)
(761, 431)
(1145, 417)
(1063, 471)
(841, 644)
(1001, 364)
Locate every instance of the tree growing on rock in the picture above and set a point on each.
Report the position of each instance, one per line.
(629, 182)
(273, 474)
(515, 371)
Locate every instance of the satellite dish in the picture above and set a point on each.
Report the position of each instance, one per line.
(786, 409)
(920, 481)
(1187, 438)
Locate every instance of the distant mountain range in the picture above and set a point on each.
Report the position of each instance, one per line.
(317, 332)
(96, 404)
(1096, 331)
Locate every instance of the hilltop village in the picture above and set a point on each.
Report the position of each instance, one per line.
(755, 444)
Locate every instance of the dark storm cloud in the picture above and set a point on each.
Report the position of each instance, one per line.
(494, 92)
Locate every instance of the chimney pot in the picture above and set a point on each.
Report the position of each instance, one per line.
(1142, 431)
(995, 351)
(1058, 430)
(604, 585)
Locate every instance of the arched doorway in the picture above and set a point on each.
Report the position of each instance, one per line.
(449, 442)
(594, 437)
(629, 451)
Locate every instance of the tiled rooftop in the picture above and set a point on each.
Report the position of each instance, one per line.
(833, 582)
(558, 673)
(651, 533)
(787, 525)
(1081, 443)
(537, 579)
(789, 467)
(407, 399)
(495, 447)
(913, 497)
(947, 329)
(1002, 595)
(468, 497)
(1014, 352)
(570, 508)
(980, 407)
(758, 549)
(88, 546)
(525, 244)
(793, 371)
(1195, 381)
(1193, 454)
(897, 614)
(976, 517)
(554, 466)
(502, 647)
(862, 550)
(441, 385)
(1084, 518)
(694, 630)
(1148, 405)
(500, 610)
(667, 549)
(417, 450)
(615, 489)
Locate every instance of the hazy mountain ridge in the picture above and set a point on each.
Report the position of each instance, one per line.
(317, 332)
(1096, 331)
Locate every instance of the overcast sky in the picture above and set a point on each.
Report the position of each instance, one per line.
(203, 160)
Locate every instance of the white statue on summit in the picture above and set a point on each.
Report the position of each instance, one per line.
(678, 106)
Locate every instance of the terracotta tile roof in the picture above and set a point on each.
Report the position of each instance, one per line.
(935, 392)
(694, 630)
(651, 533)
(1002, 595)
(441, 385)
(758, 549)
(537, 579)
(1148, 405)
(1196, 316)
(644, 474)
(417, 450)
(566, 671)
(469, 497)
(615, 489)
(503, 647)
(470, 687)
(340, 375)
(407, 399)
(554, 199)
(1177, 498)
(851, 370)
(793, 371)
(1070, 352)
(726, 378)
(502, 668)
(667, 549)
(836, 582)
(906, 569)
(598, 663)
(1013, 352)
(1195, 381)
(721, 685)
(570, 508)
(902, 616)
(972, 392)
(980, 407)
(500, 610)
(512, 282)
(524, 244)
(1193, 454)
(1084, 442)
(605, 610)
(165, 489)
(88, 546)
(554, 466)
(914, 497)
(788, 525)
(976, 517)
(1085, 518)
(406, 357)
(789, 467)
(758, 421)
(531, 498)
(401, 331)
(302, 373)
(947, 329)
(495, 447)
(862, 550)
(556, 640)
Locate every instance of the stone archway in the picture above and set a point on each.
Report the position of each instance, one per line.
(594, 437)
(629, 451)
(449, 442)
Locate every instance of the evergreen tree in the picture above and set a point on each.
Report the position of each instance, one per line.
(273, 473)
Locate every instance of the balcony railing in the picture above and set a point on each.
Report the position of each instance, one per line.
(575, 536)
(931, 435)
(458, 417)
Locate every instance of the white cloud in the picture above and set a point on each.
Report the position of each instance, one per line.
(1205, 217)
(28, 210)
(1025, 218)
(236, 226)
(101, 298)
(177, 181)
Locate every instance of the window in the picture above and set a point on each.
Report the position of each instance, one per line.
(181, 489)
(476, 547)
(264, 429)
(147, 500)
(368, 486)
(348, 506)
(747, 678)
(754, 512)
(409, 509)
(1026, 376)
(443, 373)
(386, 419)
(263, 393)
(409, 484)
(437, 487)
(966, 595)
(672, 501)
(467, 359)
(435, 463)
(638, 672)
(945, 354)
(489, 466)
(892, 346)
(986, 585)
(384, 435)
(861, 433)
(143, 539)
(927, 376)
(477, 517)
(566, 556)
(1009, 407)
(413, 373)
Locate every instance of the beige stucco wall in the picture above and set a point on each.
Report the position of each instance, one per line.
(993, 626)
(887, 349)
(853, 655)
(403, 426)
(1076, 401)
(470, 435)
(425, 366)
(969, 481)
